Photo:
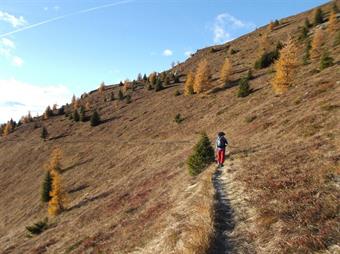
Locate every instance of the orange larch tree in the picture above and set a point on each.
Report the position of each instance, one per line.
(317, 42)
(189, 84)
(201, 77)
(225, 71)
(285, 67)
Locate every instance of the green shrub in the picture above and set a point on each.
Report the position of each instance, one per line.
(82, 114)
(306, 55)
(178, 118)
(159, 85)
(250, 118)
(61, 110)
(335, 7)
(326, 61)
(112, 96)
(303, 33)
(307, 23)
(234, 51)
(76, 116)
(177, 93)
(95, 118)
(176, 78)
(46, 187)
(120, 95)
(167, 81)
(128, 98)
(268, 58)
(149, 87)
(318, 17)
(244, 88)
(48, 112)
(44, 133)
(38, 227)
(202, 156)
(276, 22)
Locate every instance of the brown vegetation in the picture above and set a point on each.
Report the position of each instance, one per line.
(201, 82)
(285, 68)
(127, 179)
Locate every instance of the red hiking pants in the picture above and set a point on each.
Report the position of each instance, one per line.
(220, 156)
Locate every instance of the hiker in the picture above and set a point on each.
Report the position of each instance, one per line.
(221, 143)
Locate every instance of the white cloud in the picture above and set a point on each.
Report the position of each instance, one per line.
(12, 20)
(167, 52)
(7, 43)
(45, 8)
(224, 24)
(17, 98)
(6, 50)
(17, 61)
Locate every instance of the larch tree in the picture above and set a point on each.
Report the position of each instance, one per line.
(201, 77)
(48, 112)
(285, 67)
(8, 129)
(332, 23)
(225, 71)
(56, 202)
(46, 187)
(317, 42)
(189, 84)
(152, 78)
(55, 164)
(318, 17)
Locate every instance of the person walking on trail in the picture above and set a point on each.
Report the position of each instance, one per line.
(221, 144)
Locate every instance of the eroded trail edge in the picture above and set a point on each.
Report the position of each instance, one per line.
(223, 221)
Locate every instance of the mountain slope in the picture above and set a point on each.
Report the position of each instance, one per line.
(125, 177)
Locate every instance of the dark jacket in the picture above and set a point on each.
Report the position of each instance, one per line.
(221, 142)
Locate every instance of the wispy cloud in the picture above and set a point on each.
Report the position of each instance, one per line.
(12, 20)
(28, 27)
(17, 61)
(225, 24)
(6, 50)
(7, 43)
(56, 7)
(17, 98)
(167, 52)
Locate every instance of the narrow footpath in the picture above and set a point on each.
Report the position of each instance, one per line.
(223, 222)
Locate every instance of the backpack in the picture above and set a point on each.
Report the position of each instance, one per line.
(222, 142)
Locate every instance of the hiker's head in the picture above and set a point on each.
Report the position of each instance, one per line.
(220, 134)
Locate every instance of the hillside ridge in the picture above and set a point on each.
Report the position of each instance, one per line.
(127, 182)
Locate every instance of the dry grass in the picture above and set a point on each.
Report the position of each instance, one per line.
(190, 227)
(126, 178)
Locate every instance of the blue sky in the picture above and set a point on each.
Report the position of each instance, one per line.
(50, 49)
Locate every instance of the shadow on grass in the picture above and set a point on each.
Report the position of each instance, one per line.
(78, 188)
(76, 165)
(88, 200)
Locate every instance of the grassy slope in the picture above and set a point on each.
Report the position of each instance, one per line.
(124, 179)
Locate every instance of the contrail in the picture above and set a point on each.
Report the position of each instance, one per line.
(65, 16)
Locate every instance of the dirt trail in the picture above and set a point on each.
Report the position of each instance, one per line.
(224, 222)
